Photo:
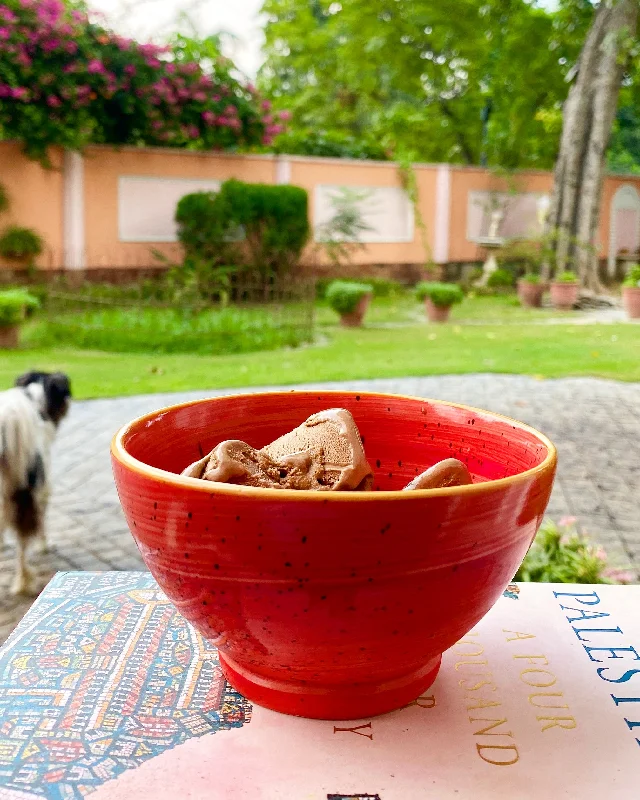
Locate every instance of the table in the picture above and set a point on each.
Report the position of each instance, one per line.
(106, 690)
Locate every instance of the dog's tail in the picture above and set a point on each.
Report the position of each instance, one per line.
(22, 466)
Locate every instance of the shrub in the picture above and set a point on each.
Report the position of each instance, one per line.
(265, 226)
(233, 329)
(344, 296)
(522, 255)
(530, 277)
(561, 555)
(66, 80)
(633, 276)
(566, 277)
(14, 304)
(20, 243)
(500, 279)
(440, 294)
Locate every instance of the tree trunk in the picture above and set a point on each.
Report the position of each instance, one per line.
(589, 112)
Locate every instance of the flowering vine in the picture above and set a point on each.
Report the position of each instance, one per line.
(66, 80)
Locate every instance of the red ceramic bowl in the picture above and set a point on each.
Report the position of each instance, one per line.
(334, 605)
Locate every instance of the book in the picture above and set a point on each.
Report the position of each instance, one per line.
(106, 690)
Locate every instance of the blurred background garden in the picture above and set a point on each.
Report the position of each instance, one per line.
(287, 192)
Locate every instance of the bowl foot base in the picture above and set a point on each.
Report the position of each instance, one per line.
(355, 701)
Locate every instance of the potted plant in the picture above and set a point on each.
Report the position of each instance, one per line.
(14, 304)
(21, 245)
(564, 291)
(530, 290)
(631, 292)
(438, 299)
(350, 300)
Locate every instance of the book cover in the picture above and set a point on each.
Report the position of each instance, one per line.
(106, 690)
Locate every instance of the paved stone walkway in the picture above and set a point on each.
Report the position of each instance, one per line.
(594, 423)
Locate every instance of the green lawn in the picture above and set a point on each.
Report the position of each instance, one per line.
(385, 349)
(404, 309)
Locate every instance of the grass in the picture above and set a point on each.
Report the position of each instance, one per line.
(404, 309)
(547, 351)
(163, 330)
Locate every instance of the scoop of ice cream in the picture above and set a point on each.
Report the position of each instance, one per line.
(237, 462)
(449, 472)
(332, 441)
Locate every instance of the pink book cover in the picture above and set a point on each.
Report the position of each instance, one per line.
(106, 690)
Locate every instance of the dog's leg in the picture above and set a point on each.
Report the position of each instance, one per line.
(40, 545)
(22, 580)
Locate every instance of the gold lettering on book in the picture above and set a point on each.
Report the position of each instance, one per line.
(424, 701)
(508, 751)
(481, 692)
(536, 676)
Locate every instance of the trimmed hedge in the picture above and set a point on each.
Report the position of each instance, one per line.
(14, 304)
(344, 296)
(16, 242)
(245, 223)
(440, 294)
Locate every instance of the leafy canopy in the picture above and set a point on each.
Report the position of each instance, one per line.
(418, 76)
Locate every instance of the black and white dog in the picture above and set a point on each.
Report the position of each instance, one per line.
(29, 417)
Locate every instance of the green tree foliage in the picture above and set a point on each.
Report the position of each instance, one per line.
(419, 76)
(67, 80)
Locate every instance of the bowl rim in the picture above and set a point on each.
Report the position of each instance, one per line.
(120, 454)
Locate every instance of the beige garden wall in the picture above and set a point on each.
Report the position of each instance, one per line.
(36, 200)
(112, 208)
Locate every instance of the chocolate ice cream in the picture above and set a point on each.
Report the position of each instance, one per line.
(449, 472)
(333, 440)
(324, 453)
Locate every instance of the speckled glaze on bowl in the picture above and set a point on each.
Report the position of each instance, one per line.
(334, 605)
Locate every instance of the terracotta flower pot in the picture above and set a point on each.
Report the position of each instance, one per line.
(436, 313)
(334, 605)
(631, 301)
(530, 294)
(9, 336)
(354, 318)
(564, 295)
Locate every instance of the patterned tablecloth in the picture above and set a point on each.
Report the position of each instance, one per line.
(101, 675)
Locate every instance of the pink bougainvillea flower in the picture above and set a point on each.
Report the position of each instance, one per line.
(619, 575)
(265, 105)
(285, 116)
(193, 131)
(53, 101)
(95, 66)
(201, 97)
(209, 117)
(7, 14)
(5, 33)
(130, 69)
(50, 45)
(230, 110)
